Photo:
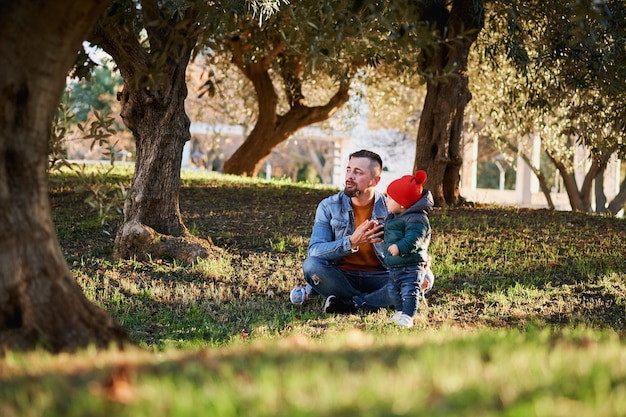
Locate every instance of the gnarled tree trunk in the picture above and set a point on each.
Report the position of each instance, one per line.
(153, 108)
(580, 200)
(40, 302)
(271, 129)
(268, 133)
(438, 149)
(617, 204)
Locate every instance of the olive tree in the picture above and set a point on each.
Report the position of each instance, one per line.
(438, 149)
(556, 69)
(40, 302)
(302, 62)
(152, 43)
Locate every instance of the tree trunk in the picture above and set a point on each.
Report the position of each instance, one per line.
(543, 184)
(438, 139)
(438, 149)
(153, 108)
(579, 200)
(40, 302)
(599, 192)
(545, 189)
(272, 129)
(248, 158)
(160, 126)
(617, 204)
(266, 136)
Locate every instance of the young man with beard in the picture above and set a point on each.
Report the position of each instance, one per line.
(344, 257)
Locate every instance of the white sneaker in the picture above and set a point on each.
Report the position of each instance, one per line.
(396, 317)
(426, 285)
(405, 321)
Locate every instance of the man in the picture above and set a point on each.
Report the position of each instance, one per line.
(344, 256)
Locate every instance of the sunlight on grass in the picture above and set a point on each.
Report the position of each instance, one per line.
(214, 267)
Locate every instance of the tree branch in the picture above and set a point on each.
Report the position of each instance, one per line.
(542, 180)
(619, 200)
(111, 34)
(154, 23)
(569, 181)
(300, 116)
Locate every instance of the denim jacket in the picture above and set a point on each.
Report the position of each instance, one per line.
(334, 223)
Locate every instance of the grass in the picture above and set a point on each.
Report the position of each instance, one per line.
(527, 318)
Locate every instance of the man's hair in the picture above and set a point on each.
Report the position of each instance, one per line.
(375, 159)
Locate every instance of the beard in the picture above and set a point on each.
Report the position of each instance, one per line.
(351, 191)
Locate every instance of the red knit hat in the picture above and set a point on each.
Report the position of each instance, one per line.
(408, 189)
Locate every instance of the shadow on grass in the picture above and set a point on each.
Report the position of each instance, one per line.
(495, 267)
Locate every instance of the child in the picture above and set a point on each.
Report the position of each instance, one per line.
(407, 236)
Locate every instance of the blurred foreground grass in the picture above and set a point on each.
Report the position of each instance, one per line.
(434, 372)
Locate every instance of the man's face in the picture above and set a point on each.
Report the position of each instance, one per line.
(359, 176)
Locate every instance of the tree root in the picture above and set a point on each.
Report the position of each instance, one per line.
(141, 242)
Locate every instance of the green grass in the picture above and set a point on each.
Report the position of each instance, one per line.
(436, 372)
(527, 318)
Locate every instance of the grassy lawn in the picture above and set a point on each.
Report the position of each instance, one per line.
(527, 318)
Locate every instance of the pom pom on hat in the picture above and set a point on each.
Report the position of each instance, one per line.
(408, 189)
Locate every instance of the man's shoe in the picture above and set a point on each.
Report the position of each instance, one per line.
(335, 305)
(405, 321)
(301, 294)
(396, 317)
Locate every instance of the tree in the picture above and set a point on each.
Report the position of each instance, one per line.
(278, 59)
(577, 44)
(498, 112)
(438, 148)
(40, 302)
(151, 45)
(271, 129)
(584, 57)
(549, 69)
(152, 42)
(302, 61)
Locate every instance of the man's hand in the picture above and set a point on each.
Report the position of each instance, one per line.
(367, 232)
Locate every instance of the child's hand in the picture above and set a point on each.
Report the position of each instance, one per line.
(393, 249)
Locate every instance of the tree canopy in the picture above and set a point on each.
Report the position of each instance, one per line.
(302, 59)
(558, 72)
(301, 62)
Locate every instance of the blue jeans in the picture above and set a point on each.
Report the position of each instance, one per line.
(402, 291)
(326, 278)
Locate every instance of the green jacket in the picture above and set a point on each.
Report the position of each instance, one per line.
(410, 230)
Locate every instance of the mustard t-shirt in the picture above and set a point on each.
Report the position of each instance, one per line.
(365, 259)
